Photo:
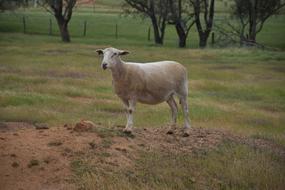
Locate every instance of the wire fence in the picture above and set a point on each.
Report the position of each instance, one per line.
(109, 27)
(78, 26)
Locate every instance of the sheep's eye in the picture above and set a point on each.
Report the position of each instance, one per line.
(114, 54)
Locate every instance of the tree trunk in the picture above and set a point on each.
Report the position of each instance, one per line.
(157, 37)
(203, 38)
(181, 34)
(252, 21)
(63, 28)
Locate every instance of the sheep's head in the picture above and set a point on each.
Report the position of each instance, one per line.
(111, 57)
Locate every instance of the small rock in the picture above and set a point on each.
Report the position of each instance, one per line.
(13, 155)
(41, 126)
(15, 134)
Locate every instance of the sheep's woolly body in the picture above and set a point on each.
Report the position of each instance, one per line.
(150, 83)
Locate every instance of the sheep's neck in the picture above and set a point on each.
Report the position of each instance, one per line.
(119, 71)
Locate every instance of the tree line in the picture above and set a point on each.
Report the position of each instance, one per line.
(249, 17)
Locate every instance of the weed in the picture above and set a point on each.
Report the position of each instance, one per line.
(33, 163)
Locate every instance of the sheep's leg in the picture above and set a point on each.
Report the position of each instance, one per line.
(130, 111)
(185, 109)
(174, 111)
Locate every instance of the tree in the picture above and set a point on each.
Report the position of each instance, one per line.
(207, 8)
(62, 11)
(10, 4)
(182, 17)
(252, 15)
(156, 10)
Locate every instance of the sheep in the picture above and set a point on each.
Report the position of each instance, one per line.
(148, 83)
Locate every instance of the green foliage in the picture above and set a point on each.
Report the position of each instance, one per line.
(11, 4)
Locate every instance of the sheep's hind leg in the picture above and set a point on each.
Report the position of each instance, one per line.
(174, 111)
(185, 109)
(130, 111)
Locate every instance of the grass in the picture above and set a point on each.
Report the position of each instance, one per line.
(216, 169)
(237, 89)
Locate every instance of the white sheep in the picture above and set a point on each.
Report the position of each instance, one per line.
(148, 83)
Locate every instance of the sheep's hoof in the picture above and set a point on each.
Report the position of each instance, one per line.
(127, 131)
(186, 133)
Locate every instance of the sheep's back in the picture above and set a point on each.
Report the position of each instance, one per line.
(160, 76)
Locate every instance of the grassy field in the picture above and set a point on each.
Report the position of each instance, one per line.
(237, 90)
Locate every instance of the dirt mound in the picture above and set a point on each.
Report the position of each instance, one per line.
(40, 158)
(84, 126)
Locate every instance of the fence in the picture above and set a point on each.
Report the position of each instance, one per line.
(109, 27)
(78, 27)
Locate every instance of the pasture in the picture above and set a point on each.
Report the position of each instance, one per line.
(237, 95)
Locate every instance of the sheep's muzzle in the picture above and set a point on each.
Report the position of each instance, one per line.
(104, 66)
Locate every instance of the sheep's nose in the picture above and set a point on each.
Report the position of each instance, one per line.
(104, 66)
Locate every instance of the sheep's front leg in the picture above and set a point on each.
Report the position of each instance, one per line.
(130, 111)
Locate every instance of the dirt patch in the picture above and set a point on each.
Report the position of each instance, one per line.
(41, 158)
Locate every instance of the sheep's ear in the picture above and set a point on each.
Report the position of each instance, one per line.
(99, 51)
(122, 52)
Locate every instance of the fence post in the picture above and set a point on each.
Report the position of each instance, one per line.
(85, 28)
(148, 34)
(50, 26)
(116, 31)
(213, 38)
(24, 24)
